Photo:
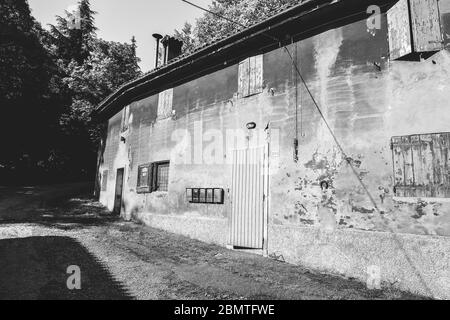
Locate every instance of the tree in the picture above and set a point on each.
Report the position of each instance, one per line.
(74, 41)
(187, 37)
(93, 68)
(29, 97)
(109, 65)
(50, 83)
(243, 12)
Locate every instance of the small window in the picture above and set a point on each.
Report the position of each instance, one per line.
(104, 180)
(250, 76)
(205, 195)
(153, 177)
(422, 165)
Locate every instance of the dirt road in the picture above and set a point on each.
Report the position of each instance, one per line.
(120, 260)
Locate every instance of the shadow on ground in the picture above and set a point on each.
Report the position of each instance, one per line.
(36, 268)
(153, 263)
(60, 211)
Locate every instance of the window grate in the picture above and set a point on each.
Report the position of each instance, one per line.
(162, 179)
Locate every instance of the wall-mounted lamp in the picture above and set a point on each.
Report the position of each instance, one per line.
(251, 125)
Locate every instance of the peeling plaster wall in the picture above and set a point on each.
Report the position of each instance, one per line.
(366, 99)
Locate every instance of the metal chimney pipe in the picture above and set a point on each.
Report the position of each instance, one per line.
(158, 37)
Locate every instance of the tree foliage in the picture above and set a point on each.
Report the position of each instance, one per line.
(238, 13)
(50, 83)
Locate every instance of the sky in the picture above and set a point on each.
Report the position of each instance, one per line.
(119, 20)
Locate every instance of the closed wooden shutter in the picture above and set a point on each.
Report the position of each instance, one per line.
(256, 74)
(421, 165)
(244, 81)
(250, 76)
(144, 179)
(165, 104)
(414, 28)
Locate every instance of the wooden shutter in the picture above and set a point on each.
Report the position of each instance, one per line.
(400, 42)
(250, 76)
(403, 166)
(426, 25)
(414, 27)
(256, 74)
(143, 181)
(440, 151)
(422, 165)
(244, 78)
(165, 104)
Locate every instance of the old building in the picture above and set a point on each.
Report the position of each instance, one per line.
(320, 136)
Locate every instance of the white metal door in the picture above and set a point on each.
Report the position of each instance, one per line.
(247, 197)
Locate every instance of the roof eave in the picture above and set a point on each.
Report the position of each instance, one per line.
(154, 81)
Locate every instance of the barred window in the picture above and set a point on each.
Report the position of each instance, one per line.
(422, 165)
(162, 176)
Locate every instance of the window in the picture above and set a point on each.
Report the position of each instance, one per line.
(162, 176)
(165, 101)
(202, 195)
(250, 76)
(104, 180)
(422, 165)
(153, 177)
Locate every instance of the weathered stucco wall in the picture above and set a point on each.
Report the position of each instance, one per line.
(366, 99)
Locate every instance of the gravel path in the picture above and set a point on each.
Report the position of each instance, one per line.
(120, 260)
